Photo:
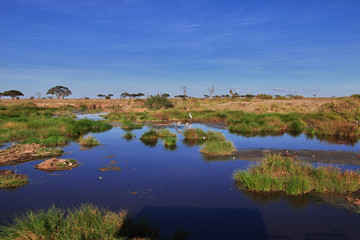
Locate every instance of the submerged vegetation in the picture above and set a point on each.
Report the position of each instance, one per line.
(129, 126)
(30, 124)
(283, 174)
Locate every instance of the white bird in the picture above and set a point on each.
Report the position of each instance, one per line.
(190, 116)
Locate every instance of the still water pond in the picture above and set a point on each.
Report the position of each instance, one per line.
(180, 189)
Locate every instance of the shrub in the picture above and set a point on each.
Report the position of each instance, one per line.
(158, 102)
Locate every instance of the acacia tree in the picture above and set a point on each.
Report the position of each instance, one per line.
(12, 93)
(59, 92)
(101, 95)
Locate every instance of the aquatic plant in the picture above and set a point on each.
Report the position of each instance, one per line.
(284, 174)
(85, 222)
(88, 141)
(218, 147)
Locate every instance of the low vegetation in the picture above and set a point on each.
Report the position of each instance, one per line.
(158, 102)
(86, 222)
(218, 147)
(199, 134)
(88, 141)
(12, 180)
(30, 124)
(283, 174)
(129, 126)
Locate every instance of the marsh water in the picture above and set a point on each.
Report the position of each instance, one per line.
(180, 189)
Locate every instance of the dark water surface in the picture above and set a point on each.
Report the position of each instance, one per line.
(182, 190)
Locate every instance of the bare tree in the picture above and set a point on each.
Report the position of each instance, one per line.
(38, 95)
(211, 91)
(185, 90)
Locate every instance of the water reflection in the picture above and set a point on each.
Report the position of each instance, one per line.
(150, 142)
(193, 142)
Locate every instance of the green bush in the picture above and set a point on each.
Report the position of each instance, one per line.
(158, 102)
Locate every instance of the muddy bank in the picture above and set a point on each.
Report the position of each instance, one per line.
(314, 156)
(54, 164)
(26, 152)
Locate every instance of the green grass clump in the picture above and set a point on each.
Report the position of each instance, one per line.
(169, 141)
(199, 134)
(12, 181)
(88, 141)
(284, 174)
(149, 135)
(129, 126)
(165, 133)
(86, 222)
(49, 152)
(218, 147)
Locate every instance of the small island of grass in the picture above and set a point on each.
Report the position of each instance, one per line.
(218, 147)
(8, 179)
(284, 174)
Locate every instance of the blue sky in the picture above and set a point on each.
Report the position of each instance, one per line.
(269, 46)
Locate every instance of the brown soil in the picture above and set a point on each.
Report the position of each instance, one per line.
(113, 168)
(19, 153)
(55, 164)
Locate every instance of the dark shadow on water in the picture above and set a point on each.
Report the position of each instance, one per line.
(258, 134)
(213, 158)
(296, 202)
(206, 223)
(170, 147)
(149, 143)
(193, 142)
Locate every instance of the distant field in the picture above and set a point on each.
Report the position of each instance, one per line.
(137, 105)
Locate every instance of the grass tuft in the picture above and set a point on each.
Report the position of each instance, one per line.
(88, 141)
(12, 180)
(218, 147)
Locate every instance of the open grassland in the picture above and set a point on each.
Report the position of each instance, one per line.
(283, 174)
(31, 124)
(314, 116)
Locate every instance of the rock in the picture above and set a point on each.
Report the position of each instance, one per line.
(55, 164)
